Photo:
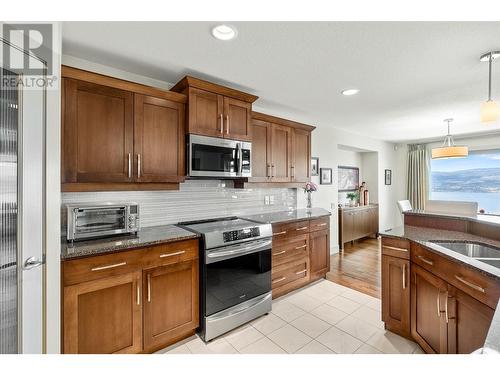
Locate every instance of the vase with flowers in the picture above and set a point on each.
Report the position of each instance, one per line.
(309, 188)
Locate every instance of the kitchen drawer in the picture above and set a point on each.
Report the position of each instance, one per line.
(319, 224)
(291, 251)
(395, 247)
(290, 272)
(171, 253)
(101, 266)
(472, 282)
(284, 230)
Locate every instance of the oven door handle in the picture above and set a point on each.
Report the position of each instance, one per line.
(237, 250)
(239, 148)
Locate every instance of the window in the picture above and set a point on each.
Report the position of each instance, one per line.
(475, 178)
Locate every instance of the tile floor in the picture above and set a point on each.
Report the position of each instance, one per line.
(322, 318)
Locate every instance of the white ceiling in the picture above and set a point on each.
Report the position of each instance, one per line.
(411, 75)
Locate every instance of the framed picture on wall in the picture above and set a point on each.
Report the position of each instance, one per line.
(314, 166)
(325, 176)
(348, 178)
(388, 177)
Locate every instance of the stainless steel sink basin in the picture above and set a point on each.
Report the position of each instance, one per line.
(484, 253)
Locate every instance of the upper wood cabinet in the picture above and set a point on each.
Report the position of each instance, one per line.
(118, 135)
(281, 150)
(215, 110)
(158, 140)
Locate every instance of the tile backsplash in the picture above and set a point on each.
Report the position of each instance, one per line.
(197, 199)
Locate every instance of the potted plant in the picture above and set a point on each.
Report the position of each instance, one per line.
(309, 188)
(353, 197)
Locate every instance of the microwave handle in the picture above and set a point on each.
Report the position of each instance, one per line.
(239, 149)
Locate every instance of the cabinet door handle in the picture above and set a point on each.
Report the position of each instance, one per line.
(301, 228)
(172, 254)
(268, 171)
(278, 280)
(300, 247)
(469, 284)
(272, 170)
(138, 165)
(221, 124)
(395, 248)
(300, 272)
(100, 268)
(404, 276)
(429, 262)
(281, 252)
(446, 309)
(279, 233)
(129, 165)
(149, 287)
(227, 122)
(292, 171)
(138, 295)
(438, 307)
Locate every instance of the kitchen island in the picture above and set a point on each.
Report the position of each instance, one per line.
(436, 289)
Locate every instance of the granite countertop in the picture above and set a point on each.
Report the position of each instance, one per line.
(146, 237)
(288, 216)
(480, 218)
(426, 235)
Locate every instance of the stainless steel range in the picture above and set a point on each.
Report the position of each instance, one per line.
(235, 273)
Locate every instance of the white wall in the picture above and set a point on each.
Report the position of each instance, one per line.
(371, 175)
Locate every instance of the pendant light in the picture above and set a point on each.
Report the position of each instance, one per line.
(449, 149)
(489, 109)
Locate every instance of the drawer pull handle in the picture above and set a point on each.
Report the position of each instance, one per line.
(429, 262)
(279, 233)
(172, 254)
(321, 225)
(469, 284)
(300, 247)
(300, 272)
(281, 252)
(395, 248)
(278, 280)
(108, 267)
(301, 228)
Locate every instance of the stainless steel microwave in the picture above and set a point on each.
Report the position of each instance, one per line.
(85, 221)
(217, 157)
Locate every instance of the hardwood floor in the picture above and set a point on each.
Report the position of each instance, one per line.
(358, 267)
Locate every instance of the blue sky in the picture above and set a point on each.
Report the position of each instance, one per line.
(473, 161)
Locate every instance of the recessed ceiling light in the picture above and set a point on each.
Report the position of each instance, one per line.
(349, 92)
(224, 32)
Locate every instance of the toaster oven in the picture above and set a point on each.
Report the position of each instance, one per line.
(85, 221)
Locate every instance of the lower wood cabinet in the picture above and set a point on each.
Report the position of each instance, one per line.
(103, 316)
(428, 299)
(319, 253)
(135, 301)
(170, 303)
(357, 222)
(396, 294)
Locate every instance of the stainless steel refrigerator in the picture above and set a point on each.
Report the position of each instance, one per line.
(22, 210)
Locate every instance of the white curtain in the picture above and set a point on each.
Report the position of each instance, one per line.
(417, 179)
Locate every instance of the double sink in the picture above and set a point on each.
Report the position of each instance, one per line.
(484, 253)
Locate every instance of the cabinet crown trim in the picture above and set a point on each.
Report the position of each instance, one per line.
(190, 81)
(104, 80)
(281, 121)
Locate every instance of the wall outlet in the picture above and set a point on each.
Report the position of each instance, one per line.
(266, 200)
(271, 199)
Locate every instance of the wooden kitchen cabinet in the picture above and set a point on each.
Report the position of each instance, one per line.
(468, 322)
(119, 135)
(103, 316)
(428, 301)
(171, 303)
(98, 131)
(215, 110)
(158, 140)
(319, 253)
(281, 150)
(396, 294)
